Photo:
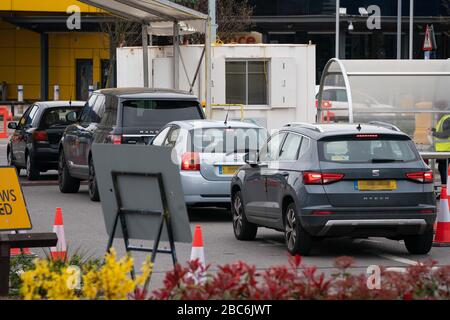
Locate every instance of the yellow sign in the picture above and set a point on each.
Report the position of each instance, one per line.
(13, 211)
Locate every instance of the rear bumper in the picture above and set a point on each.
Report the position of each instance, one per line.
(377, 226)
(46, 157)
(199, 191)
(367, 222)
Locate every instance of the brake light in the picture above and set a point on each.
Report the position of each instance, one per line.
(422, 177)
(326, 104)
(321, 178)
(367, 136)
(116, 138)
(40, 136)
(190, 161)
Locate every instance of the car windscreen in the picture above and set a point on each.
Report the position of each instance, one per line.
(157, 113)
(56, 117)
(226, 140)
(365, 148)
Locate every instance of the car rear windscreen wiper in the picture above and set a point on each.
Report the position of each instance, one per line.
(385, 160)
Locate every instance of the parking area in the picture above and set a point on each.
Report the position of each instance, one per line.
(85, 231)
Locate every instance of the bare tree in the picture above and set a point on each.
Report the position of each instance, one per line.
(233, 16)
(121, 33)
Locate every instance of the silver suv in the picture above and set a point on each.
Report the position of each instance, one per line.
(316, 181)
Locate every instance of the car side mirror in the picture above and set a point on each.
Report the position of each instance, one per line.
(12, 125)
(251, 158)
(72, 116)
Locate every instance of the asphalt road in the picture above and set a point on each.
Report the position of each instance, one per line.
(85, 230)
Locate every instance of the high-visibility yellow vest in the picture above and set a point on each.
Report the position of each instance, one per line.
(442, 144)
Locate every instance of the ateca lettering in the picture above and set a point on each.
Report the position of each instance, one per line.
(7, 196)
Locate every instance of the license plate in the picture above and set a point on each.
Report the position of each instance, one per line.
(376, 185)
(228, 169)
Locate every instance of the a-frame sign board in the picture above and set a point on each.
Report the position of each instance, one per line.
(142, 197)
(163, 215)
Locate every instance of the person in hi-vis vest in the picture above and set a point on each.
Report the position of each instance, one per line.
(441, 135)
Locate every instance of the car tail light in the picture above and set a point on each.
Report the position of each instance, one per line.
(321, 213)
(321, 178)
(190, 161)
(40, 136)
(116, 138)
(422, 177)
(326, 104)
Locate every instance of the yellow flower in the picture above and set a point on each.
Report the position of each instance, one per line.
(110, 281)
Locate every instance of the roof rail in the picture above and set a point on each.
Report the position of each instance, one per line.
(385, 125)
(305, 125)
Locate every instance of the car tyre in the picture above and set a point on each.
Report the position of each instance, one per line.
(67, 184)
(11, 162)
(421, 243)
(32, 170)
(243, 229)
(298, 240)
(92, 183)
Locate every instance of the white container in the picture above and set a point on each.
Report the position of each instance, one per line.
(290, 77)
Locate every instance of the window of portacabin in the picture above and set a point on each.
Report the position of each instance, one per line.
(247, 81)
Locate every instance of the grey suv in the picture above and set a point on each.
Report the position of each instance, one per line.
(316, 181)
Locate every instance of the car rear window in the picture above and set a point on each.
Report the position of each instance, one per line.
(56, 117)
(226, 140)
(157, 113)
(360, 150)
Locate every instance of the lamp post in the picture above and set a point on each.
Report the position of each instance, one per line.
(212, 14)
(399, 29)
(338, 5)
(411, 17)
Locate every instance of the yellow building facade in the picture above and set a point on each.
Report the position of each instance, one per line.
(21, 48)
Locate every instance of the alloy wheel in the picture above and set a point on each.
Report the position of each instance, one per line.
(91, 179)
(9, 158)
(61, 167)
(237, 214)
(28, 166)
(291, 228)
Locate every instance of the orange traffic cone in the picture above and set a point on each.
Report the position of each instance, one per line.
(443, 202)
(60, 251)
(442, 236)
(197, 246)
(17, 251)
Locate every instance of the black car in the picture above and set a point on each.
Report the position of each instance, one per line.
(316, 181)
(34, 144)
(118, 116)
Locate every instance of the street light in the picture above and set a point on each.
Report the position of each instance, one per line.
(339, 11)
(350, 26)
